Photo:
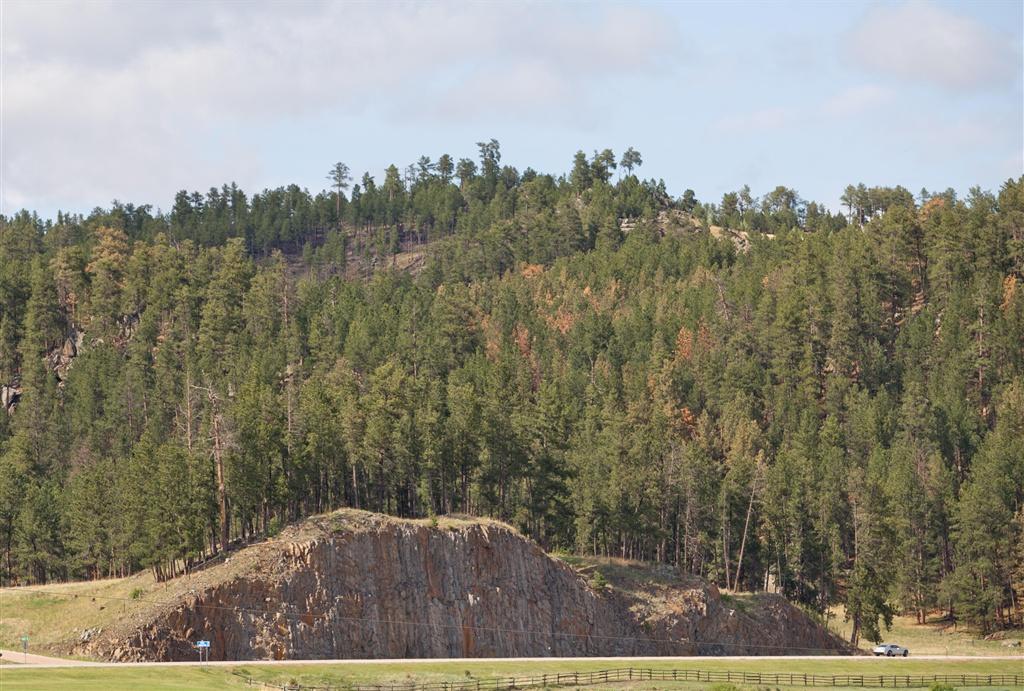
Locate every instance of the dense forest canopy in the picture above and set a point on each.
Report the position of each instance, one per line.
(828, 405)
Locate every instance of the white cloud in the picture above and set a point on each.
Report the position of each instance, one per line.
(855, 100)
(135, 100)
(757, 121)
(517, 89)
(921, 42)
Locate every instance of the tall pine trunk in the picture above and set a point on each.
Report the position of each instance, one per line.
(218, 460)
(746, 526)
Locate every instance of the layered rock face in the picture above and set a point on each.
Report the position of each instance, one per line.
(401, 589)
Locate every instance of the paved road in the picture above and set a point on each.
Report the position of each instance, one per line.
(43, 662)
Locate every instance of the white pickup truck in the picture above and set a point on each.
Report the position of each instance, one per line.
(890, 650)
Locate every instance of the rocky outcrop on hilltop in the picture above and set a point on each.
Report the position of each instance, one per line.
(357, 585)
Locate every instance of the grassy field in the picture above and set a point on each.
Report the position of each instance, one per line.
(55, 618)
(341, 674)
(933, 638)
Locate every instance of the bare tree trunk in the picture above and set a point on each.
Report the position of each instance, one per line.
(218, 460)
(355, 487)
(677, 536)
(746, 526)
(662, 549)
(725, 544)
(189, 414)
(290, 371)
(688, 557)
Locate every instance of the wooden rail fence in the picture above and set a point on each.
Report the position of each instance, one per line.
(627, 674)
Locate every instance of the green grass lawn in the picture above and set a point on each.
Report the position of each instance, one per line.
(341, 674)
(12, 678)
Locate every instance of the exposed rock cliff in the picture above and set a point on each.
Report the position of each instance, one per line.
(358, 585)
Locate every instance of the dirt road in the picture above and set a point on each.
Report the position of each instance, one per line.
(16, 657)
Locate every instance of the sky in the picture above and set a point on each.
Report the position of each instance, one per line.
(134, 101)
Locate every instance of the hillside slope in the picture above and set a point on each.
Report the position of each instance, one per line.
(353, 584)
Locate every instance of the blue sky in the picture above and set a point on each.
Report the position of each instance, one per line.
(135, 101)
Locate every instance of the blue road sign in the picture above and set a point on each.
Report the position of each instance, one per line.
(202, 644)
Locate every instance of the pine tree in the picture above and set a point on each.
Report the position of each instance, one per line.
(339, 177)
(38, 416)
(981, 585)
(220, 326)
(106, 269)
(867, 601)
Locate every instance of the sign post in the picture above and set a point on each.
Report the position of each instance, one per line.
(203, 646)
(24, 647)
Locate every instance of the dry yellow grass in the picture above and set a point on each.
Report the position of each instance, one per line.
(54, 616)
(932, 638)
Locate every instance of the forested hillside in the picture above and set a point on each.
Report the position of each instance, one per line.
(834, 409)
